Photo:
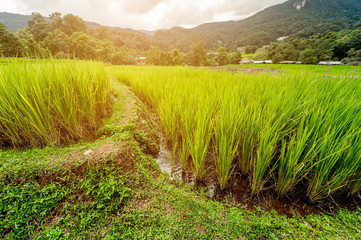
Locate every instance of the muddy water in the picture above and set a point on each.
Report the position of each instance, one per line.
(171, 165)
(237, 195)
(167, 164)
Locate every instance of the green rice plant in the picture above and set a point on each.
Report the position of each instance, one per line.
(338, 127)
(227, 135)
(296, 159)
(282, 130)
(51, 101)
(264, 157)
(199, 134)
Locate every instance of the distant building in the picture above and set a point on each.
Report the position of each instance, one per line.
(262, 62)
(141, 60)
(329, 63)
(291, 62)
(246, 62)
(255, 62)
(282, 38)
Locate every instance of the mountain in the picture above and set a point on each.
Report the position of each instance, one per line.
(13, 21)
(302, 18)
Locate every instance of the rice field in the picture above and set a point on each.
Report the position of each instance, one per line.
(289, 132)
(320, 70)
(50, 101)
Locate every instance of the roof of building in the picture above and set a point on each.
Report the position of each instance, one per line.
(330, 63)
(288, 62)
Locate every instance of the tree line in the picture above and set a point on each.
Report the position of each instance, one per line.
(71, 37)
(321, 47)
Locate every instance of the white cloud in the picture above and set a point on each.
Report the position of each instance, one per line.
(143, 14)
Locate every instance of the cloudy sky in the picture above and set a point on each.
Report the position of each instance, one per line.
(143, 14)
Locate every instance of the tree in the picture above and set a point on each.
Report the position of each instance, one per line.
(36, 19)
(353, 56)
(177, 57)
(235, 57)
(221, 57)
(352, 40)
(250, 49)
(38, 27)
(10, 46)
(153, 56)
(56, 17)
(198, 54)
(83, 46)
(31, 47)
(308, 56)
(58, 43)
(73, 24)
(104, 50)
(277, 58)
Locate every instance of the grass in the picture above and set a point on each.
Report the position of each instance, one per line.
(119, 192)
(51, 102)
(292, 130)
(61, 186)
(249, 56)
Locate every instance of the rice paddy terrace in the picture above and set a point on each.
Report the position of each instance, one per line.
(257, 154)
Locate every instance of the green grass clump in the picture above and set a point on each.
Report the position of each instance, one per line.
(51, 102)
(283, 130)
(20, 206)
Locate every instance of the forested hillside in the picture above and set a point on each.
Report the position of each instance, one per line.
(285, 19)
(314, 31)
(299, 18)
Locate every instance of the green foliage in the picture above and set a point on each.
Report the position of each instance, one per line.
(23, 207)
(122, 58)
(71, 24)
(221, 57)
(312, 50)
(308, 56)
(10, 46)
(235, 57)
(32, 48)
(156, 56)
(107, 186)
(197, 55)
(70, 37)
(51, 102)
(316, 17)
(177, 57)
(250, 49)
(80, 203)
